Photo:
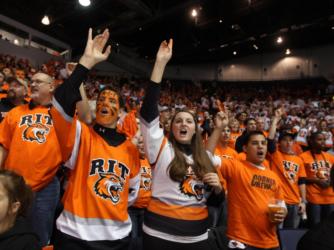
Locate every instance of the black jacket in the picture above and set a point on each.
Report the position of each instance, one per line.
(319, 238)
(19, 237)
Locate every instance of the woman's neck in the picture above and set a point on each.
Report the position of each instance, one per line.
(185, 148)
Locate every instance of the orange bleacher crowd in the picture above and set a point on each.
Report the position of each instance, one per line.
(125, 163)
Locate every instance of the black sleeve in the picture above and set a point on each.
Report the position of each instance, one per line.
(149, 110)
(215, 200)
(271, 146)
(68, 94)
(301, 181)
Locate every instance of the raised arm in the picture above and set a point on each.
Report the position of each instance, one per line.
(68, 94)
(221, 121)
(149, 110)
(272, 130)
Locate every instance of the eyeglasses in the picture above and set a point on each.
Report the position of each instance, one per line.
(38, 82)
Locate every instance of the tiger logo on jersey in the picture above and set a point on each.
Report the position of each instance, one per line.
(145, 182)
(145, 178)
(192, 187)
(35, 132)
(109, 186)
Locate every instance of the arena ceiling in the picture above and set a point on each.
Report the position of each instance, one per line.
(222, 26)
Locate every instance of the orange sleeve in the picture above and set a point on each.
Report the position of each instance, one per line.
(302, 172)
(66, 132)
(130, 125)
(227, 168)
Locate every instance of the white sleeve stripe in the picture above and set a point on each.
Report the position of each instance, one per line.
(60, 109)
(70, 163)
(146, 124)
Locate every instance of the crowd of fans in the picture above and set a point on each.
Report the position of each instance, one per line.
(300, 111)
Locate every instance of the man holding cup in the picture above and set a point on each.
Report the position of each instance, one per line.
(252, 217)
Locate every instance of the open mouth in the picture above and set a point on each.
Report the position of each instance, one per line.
(183, 132)
(104, 111)
(260, 154)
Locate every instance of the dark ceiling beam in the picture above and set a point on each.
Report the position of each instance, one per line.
(138, 6)
(151, 20)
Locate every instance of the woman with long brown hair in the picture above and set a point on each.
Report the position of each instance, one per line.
(184, 174)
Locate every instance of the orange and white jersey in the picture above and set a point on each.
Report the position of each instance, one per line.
(175, 207)
(97, 196)
(144, 194)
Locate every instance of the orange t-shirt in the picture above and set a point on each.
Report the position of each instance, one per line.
(225, 153)
(145, 192)
(32, 144)
(319, 166)
(289, 168)
(129, 127)
(250, 190)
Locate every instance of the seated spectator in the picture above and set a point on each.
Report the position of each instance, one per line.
(15, 200)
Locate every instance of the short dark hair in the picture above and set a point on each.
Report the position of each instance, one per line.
(17, 190)
(312, 137)
(247, 120)
(249, 135)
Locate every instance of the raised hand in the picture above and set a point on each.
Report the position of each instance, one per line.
(278, 113)
(94, 49)
(221, 120)
(165, 51)
(164, 54)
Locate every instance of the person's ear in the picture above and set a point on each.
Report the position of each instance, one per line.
(244, 148)
(15, 207)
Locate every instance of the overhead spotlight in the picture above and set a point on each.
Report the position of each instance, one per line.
(220, 20)
(140, 28)
(234, 53)
(332, 27)
(255, 47)
(45, 20)
(287, 52)
(16, 41)
(279, 40)
(194, 13)
(84, 3)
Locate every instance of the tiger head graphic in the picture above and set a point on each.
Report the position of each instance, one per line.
(291, 175)
(192, 187)
(109, 186)
(36, 132)
(145, 182)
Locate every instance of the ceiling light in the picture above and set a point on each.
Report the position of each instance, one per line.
(220, 21)
(84, 3)
(332, 27)
(287, 52)
(16, 41)
(255, 47)
(194, 13)
(234, 53)
(45, 20)
(279, 40)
